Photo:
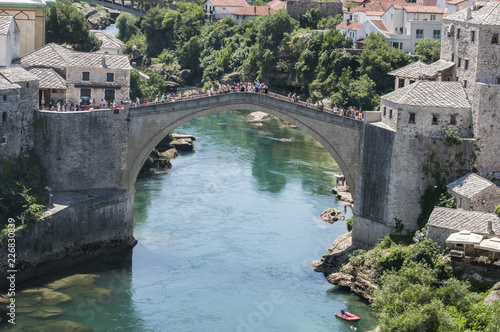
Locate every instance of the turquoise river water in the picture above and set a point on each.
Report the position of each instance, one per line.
(226, 238)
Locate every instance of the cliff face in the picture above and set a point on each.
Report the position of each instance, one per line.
(339, 272)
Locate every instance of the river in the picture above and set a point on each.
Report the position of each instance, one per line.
(226, 238)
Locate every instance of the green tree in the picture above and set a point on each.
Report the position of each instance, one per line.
(152, 27)
(428, 50)
(127, 26)
(310, 19)
(377, 59)
(137, 85)
(66, 25)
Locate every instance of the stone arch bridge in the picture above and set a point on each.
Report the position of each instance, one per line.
(135, 7)
(93, 158)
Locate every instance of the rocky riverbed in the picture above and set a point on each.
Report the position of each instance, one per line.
(338, 271)
(159, 159)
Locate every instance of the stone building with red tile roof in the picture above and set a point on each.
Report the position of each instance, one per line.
(251, 12)
(220, 9)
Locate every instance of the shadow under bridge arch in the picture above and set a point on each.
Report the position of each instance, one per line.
(149, 124)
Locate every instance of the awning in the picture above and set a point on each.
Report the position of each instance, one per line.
(464, 237)
(489, 244)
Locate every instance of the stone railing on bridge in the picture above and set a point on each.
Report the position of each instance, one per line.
(129, 6)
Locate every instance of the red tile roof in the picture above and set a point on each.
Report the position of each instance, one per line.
(276, 4)
(229, 3)
(423, 9)
(350, 26)
(254, 11)
(379, 25)
(376, 7)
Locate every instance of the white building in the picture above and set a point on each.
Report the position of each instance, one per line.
(110, 44)
(352, 30)
(30, 18)
(10, 40)
(402, 25)
(219, 9)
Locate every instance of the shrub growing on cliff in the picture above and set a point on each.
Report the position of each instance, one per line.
(23, 180)
(348, 223)
(497, 210)
(451, 136)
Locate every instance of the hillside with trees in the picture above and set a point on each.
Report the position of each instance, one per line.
(275, 49)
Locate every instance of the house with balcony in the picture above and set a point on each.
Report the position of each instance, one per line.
(78, 76)
(220, 9)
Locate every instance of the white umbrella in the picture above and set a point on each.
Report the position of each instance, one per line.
(464, 237)
(490, 245)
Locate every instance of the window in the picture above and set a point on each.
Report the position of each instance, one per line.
(494, 38)
(459, 202)
(465, 84)
(453, 119)
(27, 85)
(3, 140)
(415, 17)
(466, 64)
(85, 76)
(412, 118)
(401, 82)
(4, 97)
(390, 113)
(412, 81)
(397, 45)
(385, 111)
(458, 33)
(434, 119)
(436, 34)
(459, 62)
(452, 57)
(498, 80)
(85, 93)
(110, 77)
(472, 35)
(420, 33)
(4, 117)
(433, 17)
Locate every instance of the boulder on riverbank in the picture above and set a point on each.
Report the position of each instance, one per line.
(339, 272)
(331, 215)
(343, 195)
(259, 117)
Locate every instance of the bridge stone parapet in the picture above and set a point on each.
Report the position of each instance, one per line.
(150, 124)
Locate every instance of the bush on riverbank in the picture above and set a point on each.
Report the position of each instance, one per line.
(23, 180)
(418, 292)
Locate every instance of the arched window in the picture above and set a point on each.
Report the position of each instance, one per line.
(4, 117)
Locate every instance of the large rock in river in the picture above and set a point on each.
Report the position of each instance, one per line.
(331, 215)
(74, 280)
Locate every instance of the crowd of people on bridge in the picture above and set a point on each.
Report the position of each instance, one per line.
(84, 105)
(238, 87)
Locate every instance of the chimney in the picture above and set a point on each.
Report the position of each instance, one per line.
(268, 10)
(469, 13)
(364, 5)
(255, 10)
(489, 229)
(348, 21)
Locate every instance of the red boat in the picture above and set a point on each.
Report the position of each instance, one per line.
(347, 316)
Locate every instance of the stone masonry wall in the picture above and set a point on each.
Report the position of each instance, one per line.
(486, 118)
(82, 150)
(98, 83)
(327, 8)
(77, 233)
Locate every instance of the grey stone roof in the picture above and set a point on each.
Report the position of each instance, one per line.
(49, 78)
(108, 41)
(419, 69)
(488, 14)
(461, 220)
(17, 74)
(5, 84)
(53, 55)
(5, 22)
(469, 185)
(430, 94)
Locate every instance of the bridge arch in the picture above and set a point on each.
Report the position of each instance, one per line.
(150, 124)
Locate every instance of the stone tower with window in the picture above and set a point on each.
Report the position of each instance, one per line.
(408, 141)
(471, 39)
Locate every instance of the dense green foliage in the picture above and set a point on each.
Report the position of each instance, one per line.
(66, 25)
(348, 224)
(127, 26)
(451, 136)
(22, 190)
(428, 50)
(418, 292)
(497, 210)
(274, 49)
